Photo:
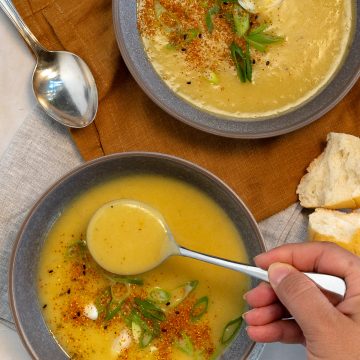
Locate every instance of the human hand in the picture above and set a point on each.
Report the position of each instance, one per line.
(329, 327)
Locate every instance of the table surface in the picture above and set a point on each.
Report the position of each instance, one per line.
(16, 102)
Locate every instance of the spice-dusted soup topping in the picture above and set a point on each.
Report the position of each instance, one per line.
(183, 309)
(227, 60)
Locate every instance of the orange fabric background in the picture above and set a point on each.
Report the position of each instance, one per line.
(264, 173)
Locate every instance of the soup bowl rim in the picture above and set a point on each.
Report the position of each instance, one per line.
(16, 311)
(133, 53)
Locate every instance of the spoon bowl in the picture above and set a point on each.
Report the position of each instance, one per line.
(143, 240)
(65, 88)
(62, 82)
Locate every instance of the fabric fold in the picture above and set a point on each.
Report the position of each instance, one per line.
(264, 172)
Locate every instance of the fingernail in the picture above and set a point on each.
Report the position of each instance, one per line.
(277, 272)
(244, 314)
(257, 257)
(245, 295)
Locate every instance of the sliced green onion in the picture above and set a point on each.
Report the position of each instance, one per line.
(163, 15)
(103, 300)
(199, 308)
(260, 40)
(136, 318)
(77, 249)
(179, 294)
(259, 29)
(241, 21)
(208, 17)
(160, 295)
(230, 330)
(185, 345)
(125, 279)
(170, 47)
(136, 331)
(150, 310)
(159, 9)
(145, 339)
(239, 59)
(119, 291)
(212, 77)
(113, 308)
(191, 35)
(141, 330)
(199, 355)
(248, 64)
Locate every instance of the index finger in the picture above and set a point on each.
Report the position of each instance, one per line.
(321, 257)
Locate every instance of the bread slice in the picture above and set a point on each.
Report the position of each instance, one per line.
(336, 226)
(333, 178)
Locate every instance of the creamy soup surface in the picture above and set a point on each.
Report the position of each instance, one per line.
(128, 237)
(200, 69)
(180, 310)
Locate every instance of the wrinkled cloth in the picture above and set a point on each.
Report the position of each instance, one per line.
(38, 155)
(42, 152)
(263, 172)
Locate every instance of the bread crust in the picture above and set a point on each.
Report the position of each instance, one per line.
(319, 231)
(333, 178)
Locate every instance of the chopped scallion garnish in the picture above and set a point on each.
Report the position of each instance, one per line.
(103, 300)
(125, 279)
(191, 35)
(212, 77)
(145, 339)
(159, 9)
(113, 309)
(160, 295)
(143, 332)
(208, 17)
(230, 330)
(260, 40)
(150, 310)
(241, 20)
(248, 65)
(179, 294)
(240, 61)
(199, 308)
(136, 331)
(77, 249)
(185, 345)
(135, 317)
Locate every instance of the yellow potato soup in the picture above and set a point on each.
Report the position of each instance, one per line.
(180, 310)
(199, 48)
(127, 237)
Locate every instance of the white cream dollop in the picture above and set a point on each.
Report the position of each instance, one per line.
(255, 6)
(91, 312)
(122, 342)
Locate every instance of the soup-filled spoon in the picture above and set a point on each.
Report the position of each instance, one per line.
(129, 237)
(62, 82)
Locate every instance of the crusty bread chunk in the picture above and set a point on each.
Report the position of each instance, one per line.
(336, 226)
(333, 178)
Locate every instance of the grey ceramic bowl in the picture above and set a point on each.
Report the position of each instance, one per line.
(131, 47)
(24, 261)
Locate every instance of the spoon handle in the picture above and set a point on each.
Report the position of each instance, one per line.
(9, 9)
(326, 282)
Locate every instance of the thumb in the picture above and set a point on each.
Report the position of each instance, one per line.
(304, 300)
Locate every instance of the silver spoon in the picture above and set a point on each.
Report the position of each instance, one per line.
(62, 82)
(326, 282)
